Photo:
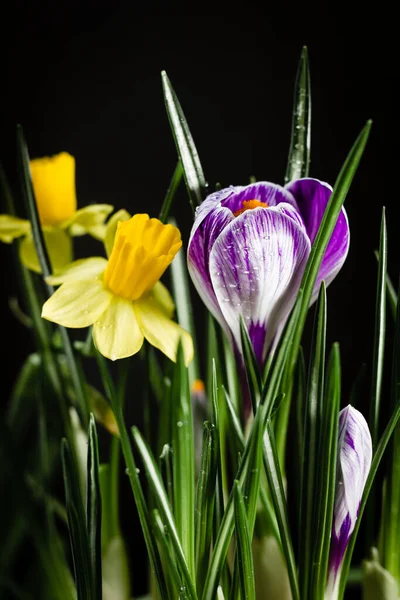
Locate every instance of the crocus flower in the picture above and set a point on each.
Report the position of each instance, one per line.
(53, 181)
(248, 249)
(354, 457)
(122, 297)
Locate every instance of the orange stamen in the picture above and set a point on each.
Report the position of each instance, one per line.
(249, 205)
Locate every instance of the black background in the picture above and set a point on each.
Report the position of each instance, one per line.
(85, 78)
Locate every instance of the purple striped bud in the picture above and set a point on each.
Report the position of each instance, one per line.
(353, 465)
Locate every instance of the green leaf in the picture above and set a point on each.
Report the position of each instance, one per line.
(322, 238)
(244, 551)
(116, 404)
(168, 556)
(277, 490)
(380, 330)
(77, 526)
(162, 502)
(379, 451)
(300, 385)
(171, 192)
(193, 172)
(93, 509)
(311, 449)
(183, 459)
(205, 499)
(326, 473)
(184, 306)
(300, 143)
(166, 470)
(253, 374)
(41, 251)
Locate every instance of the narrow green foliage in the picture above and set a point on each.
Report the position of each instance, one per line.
(388, 542)
(311, 449)
(77, 527)
(252, 371)
(326, 474)
(244, 561)
(93, 509)
(205, 499)
(166, 470)
(164, 507)
(168, 557)
(183, 459)
(380, 330)
(231, 375)
(181, 294)
(192, 169)
(171, 192)
(300, 142)
(300, 385)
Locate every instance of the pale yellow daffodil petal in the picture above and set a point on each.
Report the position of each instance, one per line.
(163, 298)
(116, 332)
(79, 270)
(87, 220)
(111, 228)
(12, 228)
(77, 304)
(59, 248)
(160, 331)
(53, 180)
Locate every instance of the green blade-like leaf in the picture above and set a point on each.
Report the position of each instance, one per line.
(390, 291)
(244, 551)
(181, 293)
(325, 230)
(93, 509)
(162, 502)
(379, 451)
(380, 330)
(325, 498)
(168, 556)
(171, 192)
(277, 490)
(154, 557)
(300, 143)
(193, 172)
(45, 265)
(250, 362)
(166, 470)
(183, 459)
(300, 385)
(77, 526)
(205, 499)
(311, 449)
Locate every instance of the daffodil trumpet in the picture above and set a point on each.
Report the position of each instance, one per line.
(122, 297)
(53, 180)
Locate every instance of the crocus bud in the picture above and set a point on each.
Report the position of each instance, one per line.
(378, 584)
(353, 464)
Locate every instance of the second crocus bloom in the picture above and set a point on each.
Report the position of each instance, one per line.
(248, 250)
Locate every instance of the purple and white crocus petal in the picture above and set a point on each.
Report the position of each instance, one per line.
(311, 197)
(353, 465)
(256, 265)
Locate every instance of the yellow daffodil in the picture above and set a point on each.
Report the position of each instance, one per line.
(122, 297)
(53, 182)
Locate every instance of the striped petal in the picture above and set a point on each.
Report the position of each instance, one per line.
(256, 265)
(116, 332)
(312, 196)
(77, 304)
(353, 465)
(160, 331)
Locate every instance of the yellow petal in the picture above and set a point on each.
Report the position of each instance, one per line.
(160, 331)
(163, 298)
(53, 182)
(116, 332)
(88, 219)
(111, 228)
(59, 247)
(77, 304)
(79, 270)
(12, 227)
